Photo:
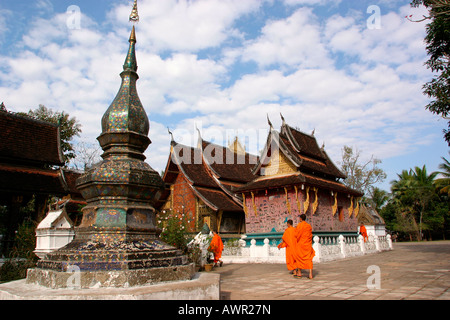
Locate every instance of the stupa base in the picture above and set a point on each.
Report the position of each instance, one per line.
(76, 279)
(203, 286)
(85, 263)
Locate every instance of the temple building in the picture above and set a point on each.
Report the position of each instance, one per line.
(295, 176)
(200, 181)
(31, 163)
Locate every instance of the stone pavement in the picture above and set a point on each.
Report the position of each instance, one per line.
(419, 271)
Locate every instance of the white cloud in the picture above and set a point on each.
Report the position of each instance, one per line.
(181, 79)
(398, 41)
(183, 25)
(374, 102)
(311, 2)
(294, 41)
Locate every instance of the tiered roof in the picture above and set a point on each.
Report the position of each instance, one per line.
(28, 149)
(29, 141)
(312, 165)
(212, 171)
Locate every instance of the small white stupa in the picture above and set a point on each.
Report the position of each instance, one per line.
(54, 232)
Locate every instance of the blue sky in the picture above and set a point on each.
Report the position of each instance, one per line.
(222, 66)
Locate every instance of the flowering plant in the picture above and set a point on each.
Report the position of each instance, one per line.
(174, 228)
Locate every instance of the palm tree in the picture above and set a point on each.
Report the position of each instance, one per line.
(443, 184)
(378, 198)
(400, 187)
(424, 190)
(412, 192)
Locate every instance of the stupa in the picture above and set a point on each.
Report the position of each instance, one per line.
(117, 243)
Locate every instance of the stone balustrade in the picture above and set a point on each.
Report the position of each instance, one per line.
(327, 248)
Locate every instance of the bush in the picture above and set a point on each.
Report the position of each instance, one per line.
(21, 256)
(174, 230)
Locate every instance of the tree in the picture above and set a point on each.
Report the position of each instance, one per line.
(86, 155)
(443, 184)
(438, 49)
(69, 127)
(413, 193)
(378, 198)
(361, 176)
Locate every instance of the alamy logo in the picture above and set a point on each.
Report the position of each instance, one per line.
(374, 281)
(73, 21)
(74, 281)
(374, 21)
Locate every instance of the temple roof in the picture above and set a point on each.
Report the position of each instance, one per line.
(302, 151)
(27, 180)
(312, 164)
(210, 176)
(28, 150)
(228, 165)
(369, 216)
(30, 141)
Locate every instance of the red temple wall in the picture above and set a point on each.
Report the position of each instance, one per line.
(272, 211)
(184, 201)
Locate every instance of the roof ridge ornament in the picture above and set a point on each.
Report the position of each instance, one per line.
(171, 134)
(270, 123)
(282, 119)
(134, 16)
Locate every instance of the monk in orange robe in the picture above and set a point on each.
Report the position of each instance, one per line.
(304, 252)
(363, 232)
(289, 242)
(216, 247)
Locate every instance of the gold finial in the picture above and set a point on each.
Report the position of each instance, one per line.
(133, 35)
(134, 16)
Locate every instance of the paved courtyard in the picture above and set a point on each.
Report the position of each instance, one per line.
(411, 271)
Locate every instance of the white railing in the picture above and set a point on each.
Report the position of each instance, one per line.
(327, 248)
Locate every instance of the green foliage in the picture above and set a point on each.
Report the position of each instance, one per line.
(21, 257)
(378, 198)
(174, 229)
(443, 183)
(25, 241)
(194, 254)
(438, 49)
(416, 208)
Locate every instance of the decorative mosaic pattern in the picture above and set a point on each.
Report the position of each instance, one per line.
(126, 112)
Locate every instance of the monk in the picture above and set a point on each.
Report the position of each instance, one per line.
(363, 232)
(304, 252)
(216, 247)
(289, 241)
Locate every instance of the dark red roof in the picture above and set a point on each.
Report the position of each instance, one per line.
(192, 165)
(20, 179)
(305, 148)
(26, 140)
(69, 178)
(217, 199)
(228, 165)
(203, 179)
(30, 180)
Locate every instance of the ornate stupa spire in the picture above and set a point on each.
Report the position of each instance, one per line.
(117, 242)
(126, 113)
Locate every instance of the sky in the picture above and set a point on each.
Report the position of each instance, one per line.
(352, 71)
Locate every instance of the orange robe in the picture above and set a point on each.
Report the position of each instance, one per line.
(363, 231)
(304, 252)
(216, 246)
(289, 242)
